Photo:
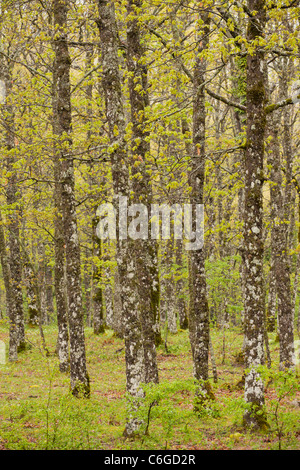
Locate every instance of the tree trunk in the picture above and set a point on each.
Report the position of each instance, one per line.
(108, 293)
(78, 371)
(146, 256)
(16, 315)
(30, 282)
(168, 298)
(62, 347)
(98, 304)
(280, 260)
(272, 297)
(180, 287)
(49, 291)
(134, 351)
(253, 226)
(13, 342)
(118, 325)
(199, 310)
(59, 276)
(42, 284)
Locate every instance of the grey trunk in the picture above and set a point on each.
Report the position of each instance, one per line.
(126, 263)
(253, 226)
(78, 371)
(198, 309)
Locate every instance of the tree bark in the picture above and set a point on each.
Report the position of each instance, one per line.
(280, 262)
(7, 282)
(62, 347)
(127, 270)
(59, 274)
(253, 215)
(79, 377)
(145, 250)
(168, 299)
(30, 282)
(16, 314)
(97, 296)
(199, 310)
(49, 290)
(180, 287)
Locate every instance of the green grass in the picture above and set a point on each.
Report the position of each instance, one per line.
(37, 410)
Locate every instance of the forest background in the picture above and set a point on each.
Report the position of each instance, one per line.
(163, 102)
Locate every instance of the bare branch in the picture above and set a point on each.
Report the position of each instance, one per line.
(225, 100)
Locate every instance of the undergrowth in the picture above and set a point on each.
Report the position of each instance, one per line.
(37, 410)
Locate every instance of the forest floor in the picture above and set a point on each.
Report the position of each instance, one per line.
(37, 411)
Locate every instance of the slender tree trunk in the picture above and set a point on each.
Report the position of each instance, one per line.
(59, 277)
(59, 245)
(30, 281)
(108, 296)
(272, 298)
(78, 371)
(9, 301)
(199, 310)
(17, 330)
(4, 262)
(127, 271)
(118, 325)
(168, 300)
(213, 361)
(98, 305)
(253, 214)
(280, 251)
(49, 291)
(280, 201)
(87, 295)
(180, 287)
(34, 293)
(145, 250)
(41, 279)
